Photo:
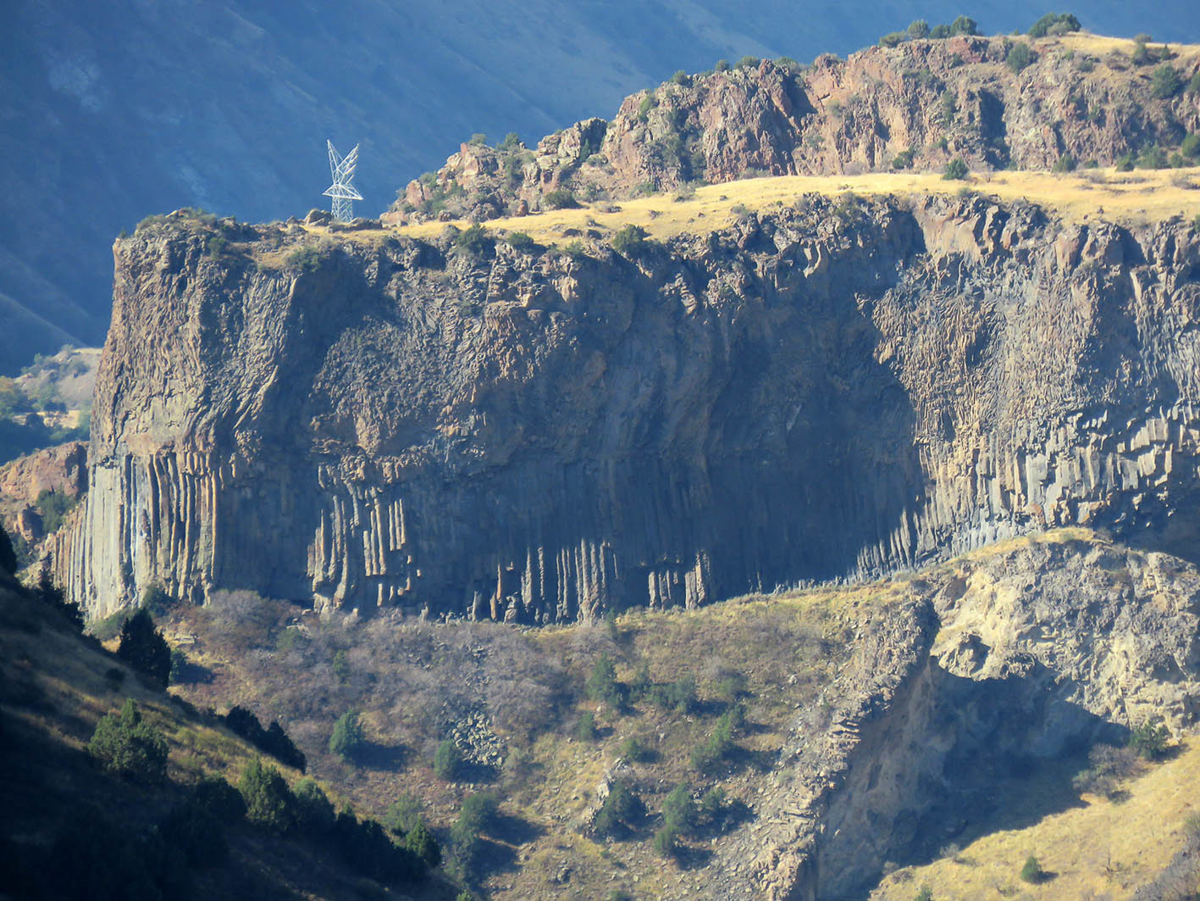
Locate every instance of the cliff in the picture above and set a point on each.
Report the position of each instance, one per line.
(917, 105)
(832, 390)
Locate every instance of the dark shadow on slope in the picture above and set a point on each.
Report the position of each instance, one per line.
(1010, 752)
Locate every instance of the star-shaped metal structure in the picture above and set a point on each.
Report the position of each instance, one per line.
(342, 190)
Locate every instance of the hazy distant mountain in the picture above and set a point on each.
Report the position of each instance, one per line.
(113, 111)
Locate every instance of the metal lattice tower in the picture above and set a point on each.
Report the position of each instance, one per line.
(342, 191)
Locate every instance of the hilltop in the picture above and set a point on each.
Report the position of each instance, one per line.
(993, 103)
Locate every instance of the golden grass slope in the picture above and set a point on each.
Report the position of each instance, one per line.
(1128, 198)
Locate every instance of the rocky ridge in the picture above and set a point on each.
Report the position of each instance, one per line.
(917, 105)
(838, 389)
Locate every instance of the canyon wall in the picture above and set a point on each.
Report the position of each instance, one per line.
(831, 390)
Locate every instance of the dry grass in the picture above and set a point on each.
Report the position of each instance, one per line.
(1129, 198)
(1100, 850)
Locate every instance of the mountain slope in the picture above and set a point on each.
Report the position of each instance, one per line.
(117, 111)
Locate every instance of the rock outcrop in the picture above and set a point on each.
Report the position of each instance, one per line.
(917, 105)
(61, 469)
(834, 390)
(1016, 655)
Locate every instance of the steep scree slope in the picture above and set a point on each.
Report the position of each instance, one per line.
(530, 436)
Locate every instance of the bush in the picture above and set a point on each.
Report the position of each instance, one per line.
(622, 809)
(1191, 146)
(678, 696)
(747, 62)
(348, 737)
(1059, 23)
(585, 729)
(575, 249)
(196, 833)
(892, 39)
(512, 141)
(679, 810)
(666, 841)
(219, 799)
(446, 760)
(306, 258)
(1125, 163)
(54, 508)
(129, 747)
(143, 648)
(956, 170)
(903, 159)
(1020, 56)
(474, 241)
(520, 241)
(315, 815)
(421, 844)
(1194, 84)
(1065, 163)
(403, 815)
(559, 199)
(918, 29)
(1032, 870)
(273, 741)
(178, 666)
(1149, 741)
(602, 684)
(1165, 82)
(633, 749)
(269, 801)
(925, 894)
(1152, 157)
(629, 240)
(706, 757)
(964, 25)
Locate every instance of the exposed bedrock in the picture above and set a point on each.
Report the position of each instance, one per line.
(826, 391)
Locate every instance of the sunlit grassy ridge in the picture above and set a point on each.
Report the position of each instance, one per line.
(1136, 197)
(1102, 849)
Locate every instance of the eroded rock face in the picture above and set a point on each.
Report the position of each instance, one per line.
(923, 102)
(1017, 654)
(523, 436)
(61, 469)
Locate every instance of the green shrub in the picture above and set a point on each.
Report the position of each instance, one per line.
(1059, 23)
(964, 25)
(1191, 146)
(305, 258)
(621, 810)
(520, 241)
(1149, 740)
(222, 801)
(892, 39)
(956, 170)
(747, 62)
(143, 648)
(512, 141)
(903, 159)
(633, 749)
(679, 809)
(722, 65)
(706, 757)
(1165, 82)
(53, 507)
(629, 240)
(348, 737)
(314, 811)
(341, 666)
(478, 139)
(446, 760)
(925, 894)
(1032, 871)
(1125, 163)
(681, 78)
(1020, 56)
(197, 834)
(585, 729)
(1152, 157)
(129, 747)
(1194, 84)
(679, 696)
(421, 844)
(575, 249)
(179, 664)
(559, 199)
(474, 241)
(602, 684)
(269, 801)
(403, 815)
(918, 29)
(940, 32)
(1065, 163)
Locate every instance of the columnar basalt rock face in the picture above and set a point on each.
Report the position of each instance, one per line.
(828, 391)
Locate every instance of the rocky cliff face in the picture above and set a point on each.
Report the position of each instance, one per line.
(1015, 655)
(924, 103)
(828, 391)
